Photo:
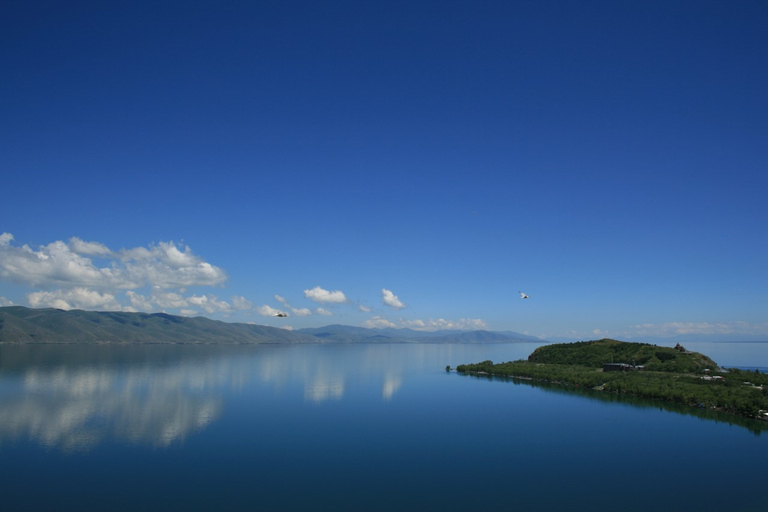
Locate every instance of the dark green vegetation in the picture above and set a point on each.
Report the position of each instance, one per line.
(23, 325)
(596, 353)
(670, 374)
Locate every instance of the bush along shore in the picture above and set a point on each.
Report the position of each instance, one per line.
(641, 370)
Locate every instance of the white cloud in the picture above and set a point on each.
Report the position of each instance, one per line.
(295, 311)
(463, 324)
(5, 302)
(241, 303)
(209, 304)
(55, 265)
(266, 310)
(318, 294)
(364, 309)
(378, 322)
(61, 264)
(89, 275)
(139, 302)
(165, 266)
(89, 248)
(76, 298)
(158, 300)
(161, 300)
(390, 299)
(325, 312)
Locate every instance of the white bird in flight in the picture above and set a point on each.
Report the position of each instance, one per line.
(523, 295)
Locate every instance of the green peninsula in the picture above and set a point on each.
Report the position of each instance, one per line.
(642, 370)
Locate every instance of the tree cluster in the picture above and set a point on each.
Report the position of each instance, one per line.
(679, 377)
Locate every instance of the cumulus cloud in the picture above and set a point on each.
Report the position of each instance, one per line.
(390, 299)
(295, 311)
(164, 265)
(266, 310)
(440, 324)
(140, 302)
(378, 322)
(89, 248)
(209, 303)
(80, 274)
(240, 303)
(76, 298)
(164, 300)
(325, 312)
(318, 294)
(62, 264)
(5, 302)
(160, 299)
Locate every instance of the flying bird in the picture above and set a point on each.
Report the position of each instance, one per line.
(523, 295)
(282, 315)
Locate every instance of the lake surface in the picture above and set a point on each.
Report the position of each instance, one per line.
(353, 427)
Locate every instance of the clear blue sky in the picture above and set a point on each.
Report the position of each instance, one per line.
(390, 163)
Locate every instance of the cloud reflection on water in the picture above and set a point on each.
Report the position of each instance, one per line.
(391, 385)
(324, 388)
(73, 398)
(76, 408)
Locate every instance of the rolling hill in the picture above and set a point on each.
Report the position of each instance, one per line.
(24, 325)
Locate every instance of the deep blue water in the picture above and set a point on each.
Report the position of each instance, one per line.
(352, 427)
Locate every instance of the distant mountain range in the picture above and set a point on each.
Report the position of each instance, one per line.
(348, 334)
(24, 325)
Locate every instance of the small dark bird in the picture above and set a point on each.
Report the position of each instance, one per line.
(282, 315)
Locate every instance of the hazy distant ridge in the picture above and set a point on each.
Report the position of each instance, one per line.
(348, 334)
(24, 325)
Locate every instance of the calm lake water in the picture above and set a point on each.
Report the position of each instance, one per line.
(353, 427)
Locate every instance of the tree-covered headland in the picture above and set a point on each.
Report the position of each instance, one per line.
(648, 371)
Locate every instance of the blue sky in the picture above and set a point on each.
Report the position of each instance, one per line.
(410, 164)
